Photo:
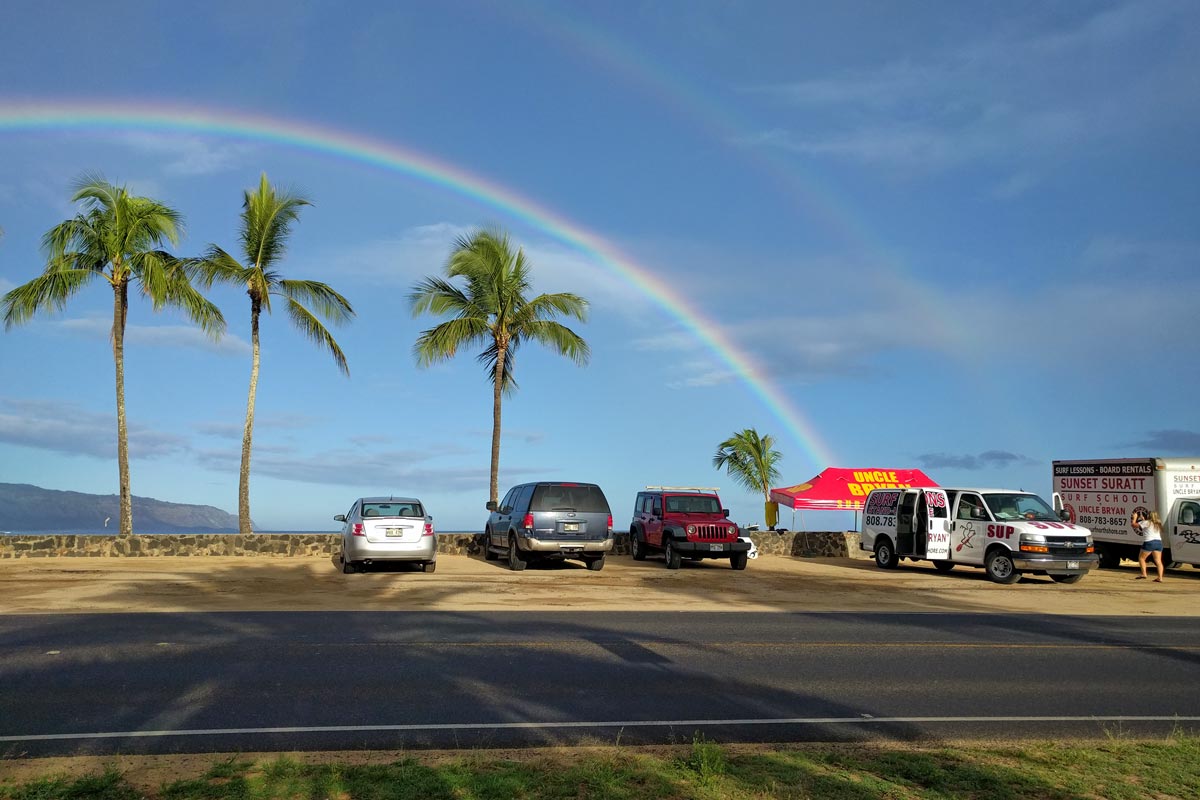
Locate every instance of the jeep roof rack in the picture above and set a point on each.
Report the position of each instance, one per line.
(683, 488)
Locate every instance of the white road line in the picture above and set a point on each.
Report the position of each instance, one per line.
(492, 726)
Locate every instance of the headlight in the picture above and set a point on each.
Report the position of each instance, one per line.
(691, 530)
(1032, 537)
(733, 531)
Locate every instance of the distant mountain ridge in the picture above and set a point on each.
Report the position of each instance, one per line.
(24, 507)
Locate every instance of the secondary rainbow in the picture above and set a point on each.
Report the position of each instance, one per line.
(91, 115)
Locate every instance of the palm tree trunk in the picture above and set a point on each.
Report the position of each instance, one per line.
(497, 390)
(248, 431)
(120, 308)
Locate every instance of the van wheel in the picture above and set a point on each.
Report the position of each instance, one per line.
(1066, 578)
(738, 560)
(1000, 567)
(515, 562)
(1110, 556)
(594, 564)
(885, 556)
(943, 566)
(488, 553)
(672, 556)
(637, 548)
(428, 567)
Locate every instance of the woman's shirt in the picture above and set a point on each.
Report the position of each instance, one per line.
(1150, 530)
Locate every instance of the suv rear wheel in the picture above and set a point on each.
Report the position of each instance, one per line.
(595, 564)
(515, 562)
(672, 555)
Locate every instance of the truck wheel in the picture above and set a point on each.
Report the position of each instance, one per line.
(1066, 578)
(885, 556)
(738, 560)
(594, 564)
(672, 556)
(515, 562)
(488, 553)
(1110, 556)
(636, 548)
(943, 566)
(1000, 567)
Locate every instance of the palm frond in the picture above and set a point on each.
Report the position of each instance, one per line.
(749, 459)
(180, 293)
(563, 304)
(311, 327)
(442, 342)
(508, 380)
(51, 290)
(326, 302)
(217, 266)
(268, 214)
(437, 296)
(558, 338)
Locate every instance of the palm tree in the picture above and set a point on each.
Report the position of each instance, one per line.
(750, 460)
(268, 215)
(114, 238)
(493, 309)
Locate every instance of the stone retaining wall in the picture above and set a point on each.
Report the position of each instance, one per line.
(827, 544)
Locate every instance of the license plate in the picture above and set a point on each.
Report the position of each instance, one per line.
(570, 527)
(394, 531)
(1072, 565)
(716, 547)
(571, 551)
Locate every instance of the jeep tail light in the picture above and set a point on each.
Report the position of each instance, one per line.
(527, 523)
(428, 529)
(357, 530)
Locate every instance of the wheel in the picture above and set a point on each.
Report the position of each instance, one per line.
(488, 553)
(348, 567)
(1110, 556)
(672, 555)
(1066, 578)
(637, 548)
(515, 562)
(594, 564)
(1000, 567)
(429, 566)
(885, 555)
(943, 566)
(738, 560)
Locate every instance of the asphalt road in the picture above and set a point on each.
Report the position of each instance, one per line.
(160, 683)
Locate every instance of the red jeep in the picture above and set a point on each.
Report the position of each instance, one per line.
(684, 522)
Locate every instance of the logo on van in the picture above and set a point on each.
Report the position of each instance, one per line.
(968, 532)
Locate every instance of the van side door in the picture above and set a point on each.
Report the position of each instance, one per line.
(1184, 526)
(937, 531)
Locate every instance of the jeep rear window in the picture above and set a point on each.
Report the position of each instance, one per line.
(579, 497)
(678, 504)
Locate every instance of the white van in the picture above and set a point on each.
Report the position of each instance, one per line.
(1104, 495)
(1005, 531)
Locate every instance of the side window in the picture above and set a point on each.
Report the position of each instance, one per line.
(521, 499)
(642, 506)
(353, 508)
(656, 505)
(1189, 513)
(507, 501)
(970, 506)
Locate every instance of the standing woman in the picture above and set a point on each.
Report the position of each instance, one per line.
(1151, 528)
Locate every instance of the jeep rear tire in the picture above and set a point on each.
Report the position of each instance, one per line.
(738, 560)
(885, 554)
(637, 548)
(515, 562)
(672, 555)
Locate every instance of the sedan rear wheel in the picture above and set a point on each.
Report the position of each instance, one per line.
(429, 566)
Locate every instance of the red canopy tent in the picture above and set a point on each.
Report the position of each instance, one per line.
(838, 489)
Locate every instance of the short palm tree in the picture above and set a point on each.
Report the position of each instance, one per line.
(492, 309)
(750, 460)
(116, 239)
(268, 215)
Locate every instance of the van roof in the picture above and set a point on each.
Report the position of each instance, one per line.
(980, 490)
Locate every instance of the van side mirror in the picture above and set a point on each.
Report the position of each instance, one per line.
(1063, 515)
(340, 518)
(491, 505)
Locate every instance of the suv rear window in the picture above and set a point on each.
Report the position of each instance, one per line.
(392, 510)
(580, 497)
(692, 505)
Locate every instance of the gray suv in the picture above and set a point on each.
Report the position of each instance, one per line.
(550, 520)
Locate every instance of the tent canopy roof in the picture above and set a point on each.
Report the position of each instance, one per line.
(837, 489)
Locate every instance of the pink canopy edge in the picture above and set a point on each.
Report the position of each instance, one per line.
(837, 489)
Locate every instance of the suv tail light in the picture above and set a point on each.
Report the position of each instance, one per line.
(428, 529)
(357, 530)
(610, 522)
(527, 523)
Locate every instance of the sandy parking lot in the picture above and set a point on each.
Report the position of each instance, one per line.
(770, 583)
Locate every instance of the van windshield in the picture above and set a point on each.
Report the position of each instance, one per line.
(580, 497)
(1018, 507)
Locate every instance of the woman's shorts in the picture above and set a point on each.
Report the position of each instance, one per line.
(1152, 545)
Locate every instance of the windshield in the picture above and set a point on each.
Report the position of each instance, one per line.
(584, 498)
(1019, 506)
(394, 508)
(682, 504)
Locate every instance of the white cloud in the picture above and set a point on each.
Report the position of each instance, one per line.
(71, 429)
(190, 155)
(156, 335)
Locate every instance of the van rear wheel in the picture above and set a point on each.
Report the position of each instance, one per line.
(943, 566)
(1000, 567)
(885, 554)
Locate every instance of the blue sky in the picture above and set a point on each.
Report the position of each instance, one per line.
(956, 238)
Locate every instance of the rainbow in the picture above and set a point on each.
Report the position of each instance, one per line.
(116, 116)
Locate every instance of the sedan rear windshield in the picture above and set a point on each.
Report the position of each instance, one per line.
(393, 509)
(580, 497)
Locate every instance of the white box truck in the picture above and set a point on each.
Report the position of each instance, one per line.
(1103, 495)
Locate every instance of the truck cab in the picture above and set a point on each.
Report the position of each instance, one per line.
(1007, 532)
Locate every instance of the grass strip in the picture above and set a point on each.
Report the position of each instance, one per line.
(1112, 768)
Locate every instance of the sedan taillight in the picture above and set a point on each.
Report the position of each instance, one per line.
(357, 530)
(428, 529)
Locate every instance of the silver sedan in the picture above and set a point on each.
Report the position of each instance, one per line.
(387, 529)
